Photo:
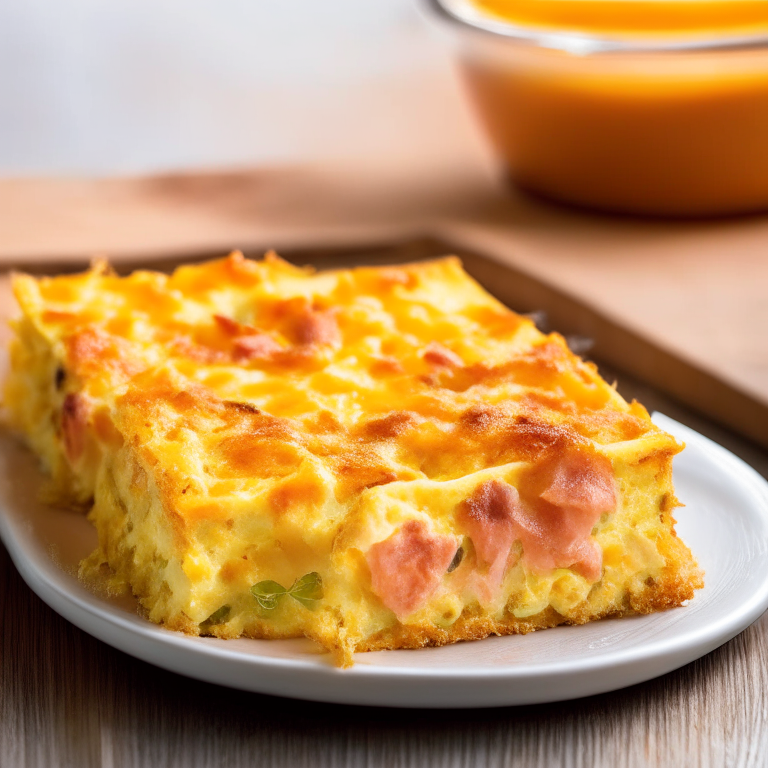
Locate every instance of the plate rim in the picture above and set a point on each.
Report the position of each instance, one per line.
(693, 643)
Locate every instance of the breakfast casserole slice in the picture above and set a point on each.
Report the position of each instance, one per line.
(373, 458)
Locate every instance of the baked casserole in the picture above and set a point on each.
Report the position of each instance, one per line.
(374, 458)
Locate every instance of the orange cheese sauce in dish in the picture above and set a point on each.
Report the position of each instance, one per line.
(638, 106)
(634, 16)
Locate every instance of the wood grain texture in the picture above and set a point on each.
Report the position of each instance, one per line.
(67, 699)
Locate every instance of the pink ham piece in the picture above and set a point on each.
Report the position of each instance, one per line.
(556, 538)
(248, 343)
(74, 425)
(256, 346)
(442, 357)
(555, 530)
(582, 481)
(581, 489)
(316, 326)
(183, 345)
(408, 567)
(488, 518)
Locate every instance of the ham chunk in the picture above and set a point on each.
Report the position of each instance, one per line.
(74, 425)
(552, 539)
(488, 518)
(584, 483)
(183, 345)
(407, 568)
(310, 328)
(248, 343)
(588, 559)
(582, 487)
(442, 357)
(317, 327)
(555, 529)
(255, 346)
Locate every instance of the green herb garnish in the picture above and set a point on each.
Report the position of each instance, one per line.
(218, 616)
(267, 593)
(457, 558)
(307, 590)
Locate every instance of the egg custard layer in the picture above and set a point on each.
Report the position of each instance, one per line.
(373, 457)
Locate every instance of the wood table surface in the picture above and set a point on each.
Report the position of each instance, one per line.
(67, 699)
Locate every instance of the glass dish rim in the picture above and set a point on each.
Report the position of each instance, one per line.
(583, 44)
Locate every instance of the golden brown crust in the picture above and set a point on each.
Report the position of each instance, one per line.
(671, 591)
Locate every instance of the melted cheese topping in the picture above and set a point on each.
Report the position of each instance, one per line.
(409, 353)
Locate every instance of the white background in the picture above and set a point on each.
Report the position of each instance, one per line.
(128, 86)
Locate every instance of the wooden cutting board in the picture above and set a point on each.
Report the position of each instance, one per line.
(681, 305)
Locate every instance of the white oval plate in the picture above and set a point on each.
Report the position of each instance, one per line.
(725, 523)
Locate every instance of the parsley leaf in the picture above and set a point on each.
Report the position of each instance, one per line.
(308, 590)
(267, 594)
(218, 616)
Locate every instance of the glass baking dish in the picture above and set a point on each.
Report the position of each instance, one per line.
(668, 124)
